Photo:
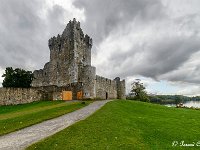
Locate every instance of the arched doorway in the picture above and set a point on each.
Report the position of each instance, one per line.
(106, 95)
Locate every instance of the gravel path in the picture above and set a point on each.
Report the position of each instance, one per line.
(21, 139)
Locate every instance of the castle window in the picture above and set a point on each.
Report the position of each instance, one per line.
(59, 47)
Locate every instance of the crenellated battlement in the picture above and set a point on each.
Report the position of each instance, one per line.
(72, 32)
(55, 42)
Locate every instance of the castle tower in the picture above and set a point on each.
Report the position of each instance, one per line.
(121, 88)
(68, 52)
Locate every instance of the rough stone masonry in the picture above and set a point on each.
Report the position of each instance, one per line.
(69, 74)
(70, 65)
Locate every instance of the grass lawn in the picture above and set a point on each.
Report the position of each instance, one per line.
(128, 125)
(19, 116)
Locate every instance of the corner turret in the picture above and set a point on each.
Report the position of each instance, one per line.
(121, 88)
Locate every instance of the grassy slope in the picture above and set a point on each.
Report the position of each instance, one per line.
(128, 125)
(16, 117)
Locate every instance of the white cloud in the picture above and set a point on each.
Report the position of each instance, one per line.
(189, 90)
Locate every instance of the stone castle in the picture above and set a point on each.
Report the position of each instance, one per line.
(69, 70)
(68, 75)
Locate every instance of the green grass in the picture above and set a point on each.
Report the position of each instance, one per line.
(128, 125)
(13, 118)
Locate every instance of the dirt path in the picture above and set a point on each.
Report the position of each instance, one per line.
(21, 139)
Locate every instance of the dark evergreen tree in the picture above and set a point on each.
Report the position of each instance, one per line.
(17, 78)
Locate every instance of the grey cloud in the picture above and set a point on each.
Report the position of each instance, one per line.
(104, 16)
(20, 26)
(169, 54)
(25, 33)
(165, 55)
(187, 73)
(55, 20)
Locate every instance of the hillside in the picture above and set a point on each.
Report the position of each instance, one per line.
(129, 125)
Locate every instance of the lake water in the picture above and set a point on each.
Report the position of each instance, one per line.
(195, 104)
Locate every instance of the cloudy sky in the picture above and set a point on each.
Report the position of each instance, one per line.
(157, 41)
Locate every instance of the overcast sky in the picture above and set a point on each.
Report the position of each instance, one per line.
(157, 41)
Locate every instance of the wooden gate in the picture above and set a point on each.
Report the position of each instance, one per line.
(67, 95)
(80, 95)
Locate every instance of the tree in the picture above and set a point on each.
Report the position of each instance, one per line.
(17, 78)
(138, 90)
(177, 99)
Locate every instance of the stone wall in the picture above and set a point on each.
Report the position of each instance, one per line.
(13, 96)
(55, 92)
(105, 88)
(94, 87)
(87, 76)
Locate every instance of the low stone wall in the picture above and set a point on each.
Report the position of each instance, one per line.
(105, 88)
(13, 96)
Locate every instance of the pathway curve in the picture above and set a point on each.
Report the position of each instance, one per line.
(23, 138)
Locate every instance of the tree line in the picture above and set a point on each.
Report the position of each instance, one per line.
(138, 92)
(172, 98)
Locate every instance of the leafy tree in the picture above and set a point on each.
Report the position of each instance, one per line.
(177, 99)
(138, 90)
(17, 78)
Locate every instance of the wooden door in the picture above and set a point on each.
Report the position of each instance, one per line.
(67, 95)
(80, 95)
